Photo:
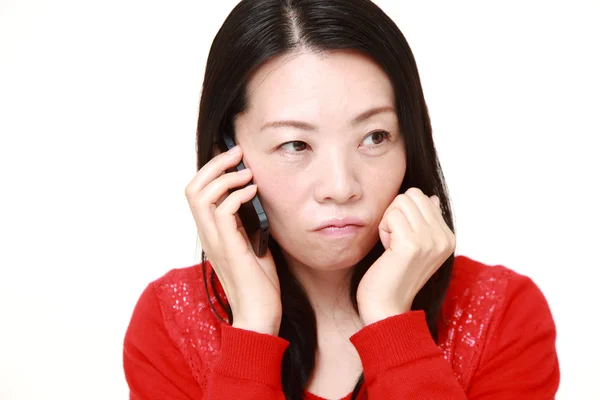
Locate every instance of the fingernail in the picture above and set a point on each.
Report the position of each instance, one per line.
(234, 150)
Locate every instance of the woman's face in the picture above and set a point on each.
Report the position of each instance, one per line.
(322, 139)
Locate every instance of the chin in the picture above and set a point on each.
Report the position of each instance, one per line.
(330, 259)
(326, 255)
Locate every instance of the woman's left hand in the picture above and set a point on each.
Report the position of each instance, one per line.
(417, 241)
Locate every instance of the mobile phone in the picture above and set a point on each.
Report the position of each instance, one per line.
(251, 213)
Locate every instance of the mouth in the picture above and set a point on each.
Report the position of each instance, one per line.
(340, 223)
(339, 227)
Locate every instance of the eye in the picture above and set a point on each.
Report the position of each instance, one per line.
(376, 138)
(295, 146)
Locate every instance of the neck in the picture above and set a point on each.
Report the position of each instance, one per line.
(328, 293)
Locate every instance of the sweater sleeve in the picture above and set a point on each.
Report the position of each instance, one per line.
(401, 359)
(519, 359)
(249, 366)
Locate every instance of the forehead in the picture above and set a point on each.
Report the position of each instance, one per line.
(314, 84)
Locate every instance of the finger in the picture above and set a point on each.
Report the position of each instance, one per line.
(215, 192)
(225, 217)
(446, 236)
(204, 204)
(411, 211)
(439, 215)
(213, 169)
(395, 229)
(425, 205)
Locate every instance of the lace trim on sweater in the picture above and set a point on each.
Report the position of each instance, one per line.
(467, 315)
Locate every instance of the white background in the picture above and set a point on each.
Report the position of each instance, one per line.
(98, 104)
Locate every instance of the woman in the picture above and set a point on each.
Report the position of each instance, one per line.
(359, 292)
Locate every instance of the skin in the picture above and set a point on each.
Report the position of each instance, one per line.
(327, 164)
(343, 169)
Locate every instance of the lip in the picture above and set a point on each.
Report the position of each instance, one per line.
(339, 232)
(347, 222)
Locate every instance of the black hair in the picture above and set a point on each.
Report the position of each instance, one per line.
(258, 30)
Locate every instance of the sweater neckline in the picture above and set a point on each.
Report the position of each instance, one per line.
(310, 396)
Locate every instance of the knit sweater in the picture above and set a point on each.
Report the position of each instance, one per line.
(496, 341)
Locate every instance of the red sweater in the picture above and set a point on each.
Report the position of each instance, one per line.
(496, 341)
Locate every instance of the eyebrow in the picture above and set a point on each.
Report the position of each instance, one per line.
(309, 127)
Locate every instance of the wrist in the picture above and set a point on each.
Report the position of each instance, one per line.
(264, 327)
(372, 317)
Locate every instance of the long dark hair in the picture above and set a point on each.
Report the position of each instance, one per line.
(258, 30)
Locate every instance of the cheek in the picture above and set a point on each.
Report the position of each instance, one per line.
(280, 194)
(382, 186)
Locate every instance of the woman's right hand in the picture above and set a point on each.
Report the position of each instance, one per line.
(250, 282)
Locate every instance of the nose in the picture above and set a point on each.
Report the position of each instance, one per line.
(337, 179)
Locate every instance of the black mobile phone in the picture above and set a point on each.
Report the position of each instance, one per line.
(251, 213)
